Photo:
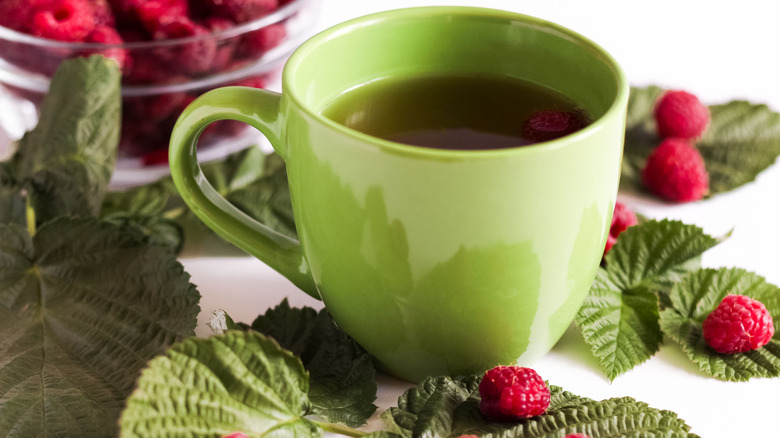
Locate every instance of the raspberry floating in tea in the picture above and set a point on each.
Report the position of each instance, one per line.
(548, 125)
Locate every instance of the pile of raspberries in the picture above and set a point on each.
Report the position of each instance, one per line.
(119, 21)
(147, 120)
(675, 169)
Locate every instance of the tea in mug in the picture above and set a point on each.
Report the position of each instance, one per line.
(467, 112)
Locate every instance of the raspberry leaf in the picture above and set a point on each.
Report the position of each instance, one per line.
(83, 305)
(641, 137)
(696, 296)
(253, 181)
(742, 140)
(342, 375)
(619, 317)
(237, 381)
(12, 203)
(430, 408)
(443, 406)
(620, 325)
(66, 162)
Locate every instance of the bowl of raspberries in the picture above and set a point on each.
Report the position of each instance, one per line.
(169, 52)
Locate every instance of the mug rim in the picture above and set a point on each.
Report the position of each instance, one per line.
(615, 109)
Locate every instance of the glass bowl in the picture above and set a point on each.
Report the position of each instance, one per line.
(159, 79)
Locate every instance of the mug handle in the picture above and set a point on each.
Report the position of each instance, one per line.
(260, 109)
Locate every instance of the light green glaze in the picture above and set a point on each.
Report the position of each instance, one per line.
(435, 261)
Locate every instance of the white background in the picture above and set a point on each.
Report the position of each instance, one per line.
(718, 52)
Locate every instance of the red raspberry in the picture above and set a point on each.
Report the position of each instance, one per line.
(155, 14)
(156, 157)
(226, 47)
(235, 435)
(102, 13)
(675, 171)
(255, 44)
(107, 35)
(18, 14)
(680, 114)
(576, 435)
(611, 241)
(513, 393)
(622, 218)
(191, 58)
(124, 10)
(242, 11)
(64, 20)
(737, 325)
(145, 69)
(156, 108)
(549, 124)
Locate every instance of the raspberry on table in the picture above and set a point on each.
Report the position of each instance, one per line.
(739, 324)
(622, 218)
(64, 20)
(550, 124)
(611, 241)
(675, 171)
(680, 114)
(512, 393)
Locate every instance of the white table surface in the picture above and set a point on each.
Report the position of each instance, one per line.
(719, 53)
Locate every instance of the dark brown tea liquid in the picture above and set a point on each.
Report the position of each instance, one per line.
(448, 112)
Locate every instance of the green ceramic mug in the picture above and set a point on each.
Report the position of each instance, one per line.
(435, 261)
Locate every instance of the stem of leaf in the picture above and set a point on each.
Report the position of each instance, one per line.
(173, 214)
(30, 211)
(340, 429)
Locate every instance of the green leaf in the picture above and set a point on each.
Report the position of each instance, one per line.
(430, 408)
(343, 384)
(443, 406)
(619, 317)
(382, 434)
(620, 326)
(66, 162)
(12, 202)
(147, 200)
(696, 296)
(83, 306)
(742, 140)
(657, 253)
(641, 136)
(254, 182)
(237, 381)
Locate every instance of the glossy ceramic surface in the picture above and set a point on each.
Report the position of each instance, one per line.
(435, 261)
